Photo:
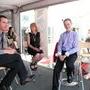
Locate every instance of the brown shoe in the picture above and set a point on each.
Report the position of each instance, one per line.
(32, 76)
(27, 80)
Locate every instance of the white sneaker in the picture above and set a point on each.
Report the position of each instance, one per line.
(71, 84)
(87, 76)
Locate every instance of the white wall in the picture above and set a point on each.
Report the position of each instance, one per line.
(41, 20)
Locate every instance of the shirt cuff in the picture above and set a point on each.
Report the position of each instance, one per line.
(67, 54)
(58, 54)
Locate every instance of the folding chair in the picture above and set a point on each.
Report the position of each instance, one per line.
(63, 79)
(4, 69)
(25, 54)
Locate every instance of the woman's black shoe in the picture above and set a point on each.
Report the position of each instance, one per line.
(18, 50)
(33, 66)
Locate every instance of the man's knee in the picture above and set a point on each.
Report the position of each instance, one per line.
(17, 56)
(70, 66)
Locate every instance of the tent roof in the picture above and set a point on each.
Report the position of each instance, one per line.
(13, 4)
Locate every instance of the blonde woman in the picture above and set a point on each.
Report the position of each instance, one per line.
(33, 42)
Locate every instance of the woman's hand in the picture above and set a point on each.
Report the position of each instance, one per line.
(37, 49)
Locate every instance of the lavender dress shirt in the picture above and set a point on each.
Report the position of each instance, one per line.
(68, 42)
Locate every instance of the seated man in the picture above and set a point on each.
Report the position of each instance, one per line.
(67, 53)
(10, 59)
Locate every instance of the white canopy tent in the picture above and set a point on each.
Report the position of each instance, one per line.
(12, 9)
(27, 4)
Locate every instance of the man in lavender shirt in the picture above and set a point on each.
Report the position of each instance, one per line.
(67, 53)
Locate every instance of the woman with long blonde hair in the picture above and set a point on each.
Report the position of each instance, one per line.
(34, 49)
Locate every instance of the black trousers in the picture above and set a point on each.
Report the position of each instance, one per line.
(15, 63)
(58, 68)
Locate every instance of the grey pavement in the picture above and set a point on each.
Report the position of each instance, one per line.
(43, 81)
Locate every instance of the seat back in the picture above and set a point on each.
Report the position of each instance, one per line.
(84, 51)
(84, 46)
(83, 55)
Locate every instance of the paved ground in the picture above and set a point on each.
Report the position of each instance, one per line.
(43, 81)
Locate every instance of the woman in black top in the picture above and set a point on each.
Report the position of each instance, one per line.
(34, 46)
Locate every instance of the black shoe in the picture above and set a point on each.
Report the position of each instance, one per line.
(18, 50)
(33, 66)
(27, 80)
(69, 79)
(3, 88)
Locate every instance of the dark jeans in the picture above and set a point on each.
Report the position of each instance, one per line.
(15, 63)
(58, 68)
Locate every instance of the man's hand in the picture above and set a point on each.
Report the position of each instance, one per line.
(8, 48)
(62, 57)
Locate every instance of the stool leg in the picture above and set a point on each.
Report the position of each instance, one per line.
(29, 69)
(10, 88)
(5, 74)
(60, 81)
(16, 81)
(81, 76)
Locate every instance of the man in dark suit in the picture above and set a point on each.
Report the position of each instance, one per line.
(10, 58)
